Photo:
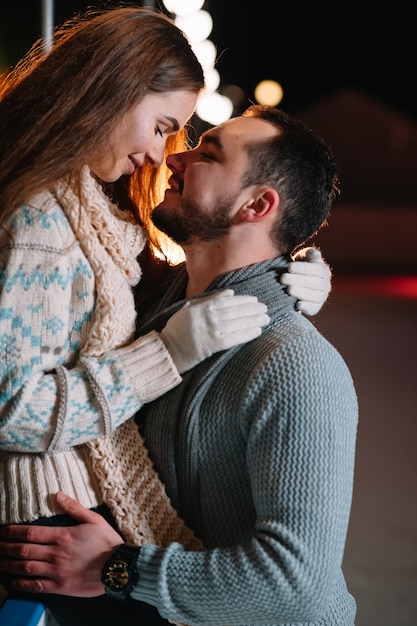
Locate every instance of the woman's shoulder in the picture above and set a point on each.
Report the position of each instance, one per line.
(41, 220)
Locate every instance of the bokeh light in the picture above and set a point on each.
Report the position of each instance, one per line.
(269, 92)
(197, 26)
(183, 7)
(214, 108)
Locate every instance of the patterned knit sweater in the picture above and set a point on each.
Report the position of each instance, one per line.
(69, 372)
(256, 449)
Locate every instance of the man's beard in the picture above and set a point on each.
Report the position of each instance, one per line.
(187, 222)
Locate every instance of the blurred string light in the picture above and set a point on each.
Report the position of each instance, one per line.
(214, 107)
(197, 24)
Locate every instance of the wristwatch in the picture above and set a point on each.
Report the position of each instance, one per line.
(120, 574)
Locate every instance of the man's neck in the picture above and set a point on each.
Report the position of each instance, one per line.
(203, 264)
(206, 261)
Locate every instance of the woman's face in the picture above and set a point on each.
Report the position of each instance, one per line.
(141, 135)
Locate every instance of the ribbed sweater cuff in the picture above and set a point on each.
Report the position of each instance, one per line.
(149, 565)
(149, 366)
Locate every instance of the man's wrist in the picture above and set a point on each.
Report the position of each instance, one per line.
(120, 573)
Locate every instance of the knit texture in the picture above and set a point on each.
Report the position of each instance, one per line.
(256, 450)
(128, 482)
(108, 241)
(80, 306)
(134, 493)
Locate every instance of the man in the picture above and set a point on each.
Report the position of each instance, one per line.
(256, 446)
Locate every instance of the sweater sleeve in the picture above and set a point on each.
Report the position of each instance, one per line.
(50, 398)
(279, 559)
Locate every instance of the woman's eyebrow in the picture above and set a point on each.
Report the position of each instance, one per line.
(174, 122)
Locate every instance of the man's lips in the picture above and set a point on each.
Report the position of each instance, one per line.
(175, 184)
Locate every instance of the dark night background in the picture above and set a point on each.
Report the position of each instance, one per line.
(312, 48)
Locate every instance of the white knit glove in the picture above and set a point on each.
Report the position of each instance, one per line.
(207, 325)
(309, 280)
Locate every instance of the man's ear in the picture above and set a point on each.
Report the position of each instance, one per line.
(262, 205)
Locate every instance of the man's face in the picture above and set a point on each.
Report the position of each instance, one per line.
(206, 184)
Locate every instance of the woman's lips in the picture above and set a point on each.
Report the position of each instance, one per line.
(134, 163)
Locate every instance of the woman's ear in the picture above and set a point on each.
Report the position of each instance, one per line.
(262, 205)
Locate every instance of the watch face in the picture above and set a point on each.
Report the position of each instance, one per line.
(117, 576)
(120, 573)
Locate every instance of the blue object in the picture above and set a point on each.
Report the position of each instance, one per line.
(15, 612)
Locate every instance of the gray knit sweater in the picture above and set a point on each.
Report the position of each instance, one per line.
(256, 448)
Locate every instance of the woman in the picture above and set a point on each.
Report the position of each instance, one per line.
(84, 131)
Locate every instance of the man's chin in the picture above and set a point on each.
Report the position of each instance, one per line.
(172, 193)
(170, 200)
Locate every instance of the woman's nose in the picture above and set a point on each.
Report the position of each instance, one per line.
(155, 157)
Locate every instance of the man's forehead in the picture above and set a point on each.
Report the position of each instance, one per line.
(245, 128)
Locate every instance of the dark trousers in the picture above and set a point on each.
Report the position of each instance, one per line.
(71, 611)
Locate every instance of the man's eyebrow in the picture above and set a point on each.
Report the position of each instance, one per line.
(174, 122)
(212, 139)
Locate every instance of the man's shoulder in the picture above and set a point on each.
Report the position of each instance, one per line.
(293, 342)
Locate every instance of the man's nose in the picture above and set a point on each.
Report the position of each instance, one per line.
(176, 162)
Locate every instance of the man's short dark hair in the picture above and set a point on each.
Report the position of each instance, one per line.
(300, 166)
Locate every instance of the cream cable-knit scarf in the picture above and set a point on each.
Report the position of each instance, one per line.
(129, 484)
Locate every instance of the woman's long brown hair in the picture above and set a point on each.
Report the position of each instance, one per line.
(58, 109)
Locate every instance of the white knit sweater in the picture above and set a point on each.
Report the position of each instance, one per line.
(68, 373)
